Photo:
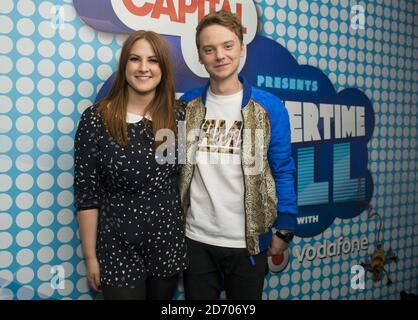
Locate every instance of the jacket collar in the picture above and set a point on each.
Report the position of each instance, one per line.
(245, 97)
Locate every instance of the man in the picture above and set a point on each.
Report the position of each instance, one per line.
(237, 184)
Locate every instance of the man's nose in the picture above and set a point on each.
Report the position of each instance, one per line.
(220, 54)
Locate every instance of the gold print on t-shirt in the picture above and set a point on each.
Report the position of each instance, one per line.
(217, 139)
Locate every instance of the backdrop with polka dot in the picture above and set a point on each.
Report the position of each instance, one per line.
(52, 66)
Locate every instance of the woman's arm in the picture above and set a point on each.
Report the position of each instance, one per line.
(87, 220)
(87, 192)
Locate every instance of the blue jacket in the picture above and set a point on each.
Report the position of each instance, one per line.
(269, 199)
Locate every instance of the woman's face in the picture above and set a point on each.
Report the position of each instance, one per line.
(143, 72)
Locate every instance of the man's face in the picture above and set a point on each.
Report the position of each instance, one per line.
(220, 52)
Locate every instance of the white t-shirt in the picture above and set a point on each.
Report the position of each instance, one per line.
(216, 215)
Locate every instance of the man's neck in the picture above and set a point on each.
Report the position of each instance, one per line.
(225, 87)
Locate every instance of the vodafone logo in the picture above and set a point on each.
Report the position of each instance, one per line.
(180, 18)
(278, 263)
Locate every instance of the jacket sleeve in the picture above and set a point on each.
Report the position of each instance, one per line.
(180, 110)
(86, 178)
(282, 166)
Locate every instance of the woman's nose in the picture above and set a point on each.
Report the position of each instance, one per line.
(143, 66)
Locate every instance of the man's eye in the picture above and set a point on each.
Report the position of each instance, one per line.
(208, 50)
(229, 46)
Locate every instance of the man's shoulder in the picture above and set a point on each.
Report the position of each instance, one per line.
(265, 98)
(192, 94)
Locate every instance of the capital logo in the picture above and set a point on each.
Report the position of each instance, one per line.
(168, 17)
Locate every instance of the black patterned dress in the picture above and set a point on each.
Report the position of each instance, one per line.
(140, 228)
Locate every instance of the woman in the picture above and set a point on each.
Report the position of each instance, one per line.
(131, 224)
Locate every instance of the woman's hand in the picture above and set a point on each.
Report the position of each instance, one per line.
(93, 273)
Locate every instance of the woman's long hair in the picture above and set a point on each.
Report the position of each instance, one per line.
(113, 108)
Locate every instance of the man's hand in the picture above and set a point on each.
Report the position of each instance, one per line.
(278, 246)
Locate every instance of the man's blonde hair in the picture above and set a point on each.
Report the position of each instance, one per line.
(223, 18)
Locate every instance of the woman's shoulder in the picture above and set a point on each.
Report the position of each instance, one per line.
(91, 113)
(90, 118)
